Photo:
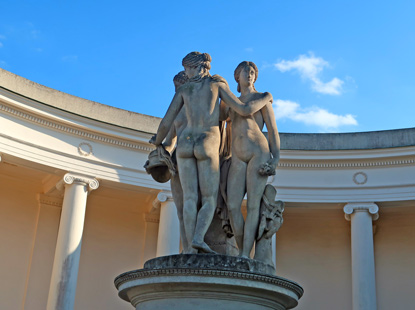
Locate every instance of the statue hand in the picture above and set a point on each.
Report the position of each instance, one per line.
(269, 167)
(153, 140)
(273, 162)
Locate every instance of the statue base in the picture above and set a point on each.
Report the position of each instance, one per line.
(208, 282)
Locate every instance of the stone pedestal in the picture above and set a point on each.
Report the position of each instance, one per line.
(208, 282)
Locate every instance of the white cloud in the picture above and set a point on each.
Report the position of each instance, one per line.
(313, 116)
(309, 67)
(334, 87)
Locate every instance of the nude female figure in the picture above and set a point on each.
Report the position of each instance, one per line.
(198, 144)
(252, 162)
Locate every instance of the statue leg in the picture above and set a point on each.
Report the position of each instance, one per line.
(208, 175)
(176, 189)
(255, 185)
(236, 189)
(188, 179)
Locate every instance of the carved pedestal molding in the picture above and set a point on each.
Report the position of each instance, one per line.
(361, 216)
(68, 246)
(168, 241)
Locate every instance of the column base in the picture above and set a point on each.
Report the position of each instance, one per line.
(206, 281)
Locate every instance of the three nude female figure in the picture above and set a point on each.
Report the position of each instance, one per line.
(198, 144)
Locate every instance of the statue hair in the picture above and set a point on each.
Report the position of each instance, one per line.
(242, 66)
(195, 59)
(180, 79)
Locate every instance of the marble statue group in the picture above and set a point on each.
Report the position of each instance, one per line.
(212, 144)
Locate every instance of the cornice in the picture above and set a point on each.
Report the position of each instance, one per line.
(323, 159)
(73, 130)
(356, 164)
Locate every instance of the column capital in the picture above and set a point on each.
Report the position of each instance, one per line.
(71, 178)
(370, 207)
(161, 197)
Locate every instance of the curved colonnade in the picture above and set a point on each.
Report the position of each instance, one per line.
(69, 163)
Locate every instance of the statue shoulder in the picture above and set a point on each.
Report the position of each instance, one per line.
(218, 79)
(260, 95)
(181, 88)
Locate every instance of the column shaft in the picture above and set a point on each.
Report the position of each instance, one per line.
(363, 262)
(68, 246)
(168, 241)
(363, 258)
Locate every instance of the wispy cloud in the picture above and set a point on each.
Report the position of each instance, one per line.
(309, 67)
(33, 32)
(3, 64)
(249, 49)
(24, 33)
(325, 120)
(2, 37)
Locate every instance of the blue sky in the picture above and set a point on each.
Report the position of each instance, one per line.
(332, 66)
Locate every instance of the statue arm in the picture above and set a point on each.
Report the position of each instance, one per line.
(224, 111)
(273, 136)
(238, 106)
(168, 119)
(171, 139)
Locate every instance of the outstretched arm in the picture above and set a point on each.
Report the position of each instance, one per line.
(168, 119)
(238, 106)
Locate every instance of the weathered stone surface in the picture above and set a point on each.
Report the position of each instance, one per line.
(209, 261)
(199, 143)
(206, 281)
(254, 158)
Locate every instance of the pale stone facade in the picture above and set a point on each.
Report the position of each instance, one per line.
(71, 170)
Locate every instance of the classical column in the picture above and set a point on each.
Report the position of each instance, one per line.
(168, 241)
(274, 249)
(361, 216)
(68, 246)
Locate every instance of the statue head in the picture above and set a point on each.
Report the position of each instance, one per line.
(196, 64)
(179, 79)
(245, 65)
